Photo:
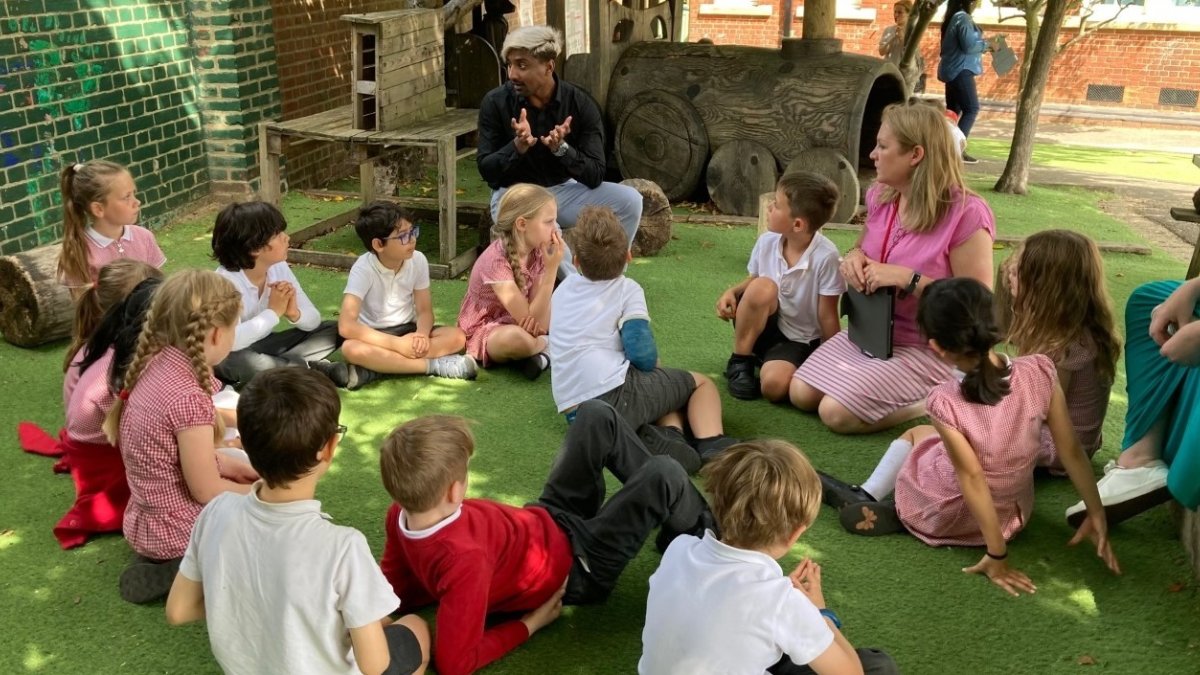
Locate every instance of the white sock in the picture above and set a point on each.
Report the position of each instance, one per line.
(882, 482)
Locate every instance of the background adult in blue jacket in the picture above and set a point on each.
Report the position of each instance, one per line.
(961, 60)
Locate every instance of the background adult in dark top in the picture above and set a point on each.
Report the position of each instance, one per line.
(536, 128)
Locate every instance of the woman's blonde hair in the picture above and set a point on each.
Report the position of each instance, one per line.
(522, 200)
(81, 185)
(1062, 300)
(115, 281)
(186, 307)
(937, 180)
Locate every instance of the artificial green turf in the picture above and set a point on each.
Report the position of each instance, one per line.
(60, 611)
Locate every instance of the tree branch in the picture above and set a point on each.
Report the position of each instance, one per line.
(1084, 29)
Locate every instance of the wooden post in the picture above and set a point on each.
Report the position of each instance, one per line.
(269, 148)
(447, 198)
(788, 11)
(820, 19)
(366, 173)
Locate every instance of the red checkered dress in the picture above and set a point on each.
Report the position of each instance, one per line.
(166, 400)
(481, 310)
(1006, 438)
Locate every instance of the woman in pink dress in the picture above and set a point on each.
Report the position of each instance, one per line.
(923, 224)
(967, 480)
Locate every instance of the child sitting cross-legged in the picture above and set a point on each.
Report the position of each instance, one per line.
(720, 603)
(282, 588)
(968, 479)
(789, 303)
(250, 241)
(602, 348)
(478, 558)
(387, 309)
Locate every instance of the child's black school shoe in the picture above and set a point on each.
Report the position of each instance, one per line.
(146, 580)
(357, 377)
(871, 519)
(338, 373)
(666, 535)
(671, 442)
(533, 367)
(739, 372)
(709, 448)
(837, 494)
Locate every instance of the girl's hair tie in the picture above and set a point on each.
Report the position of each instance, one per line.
(123, 395)
(78, 167)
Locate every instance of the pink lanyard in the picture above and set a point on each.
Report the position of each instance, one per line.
(887, 236)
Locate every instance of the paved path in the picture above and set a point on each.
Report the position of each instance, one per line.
(1145, 204)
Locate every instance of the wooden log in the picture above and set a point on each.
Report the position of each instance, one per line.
(661, 138)
(833, 165)
(787, 104)
(34, 307)
(738, 173)
(654, 230)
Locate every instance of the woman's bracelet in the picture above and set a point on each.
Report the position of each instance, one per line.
(993, 556)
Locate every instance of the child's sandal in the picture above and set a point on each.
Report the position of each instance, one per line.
(871, 519)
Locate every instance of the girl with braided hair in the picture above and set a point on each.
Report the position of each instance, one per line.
(506, 311)
(967, 480)
(167, 428)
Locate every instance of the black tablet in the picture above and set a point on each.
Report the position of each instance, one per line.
(870, 320)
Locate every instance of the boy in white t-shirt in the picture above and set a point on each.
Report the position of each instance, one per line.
(789, 301)
(250, 242)
(387, 310)
(764, 495)
(600, 327)
(283, 589)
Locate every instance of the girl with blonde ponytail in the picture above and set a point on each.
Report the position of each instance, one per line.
(167, 428)
(506, 311)
(100, 207)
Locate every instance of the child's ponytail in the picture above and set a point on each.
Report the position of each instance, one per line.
(986, 383)
(186, 307)
(957, 314)
(522, 200)
(81, 184)
(115, 281)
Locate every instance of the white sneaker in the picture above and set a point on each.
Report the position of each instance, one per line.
(1126, 492)
(455, 366)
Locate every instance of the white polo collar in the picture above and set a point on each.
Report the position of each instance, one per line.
(103, 241)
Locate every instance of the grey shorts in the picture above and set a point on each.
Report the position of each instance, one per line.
(645, 397)
(404, 648)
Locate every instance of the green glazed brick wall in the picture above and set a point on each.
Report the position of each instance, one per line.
(173, 90)
(76, 83)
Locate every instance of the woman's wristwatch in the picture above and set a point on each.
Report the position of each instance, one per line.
(912, 285)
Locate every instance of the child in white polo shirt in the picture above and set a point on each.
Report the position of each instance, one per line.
(283, 589)
(602, 348)
(387, 310)
(789, 301)
(699, 621)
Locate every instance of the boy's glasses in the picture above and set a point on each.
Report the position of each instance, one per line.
(406, 236)
(341, 430)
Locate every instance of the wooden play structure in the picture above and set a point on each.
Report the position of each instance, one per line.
(398, 101)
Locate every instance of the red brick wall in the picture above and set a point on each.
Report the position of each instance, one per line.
(1143, 61)
(312, 45)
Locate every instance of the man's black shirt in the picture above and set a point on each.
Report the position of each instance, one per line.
(501, 165)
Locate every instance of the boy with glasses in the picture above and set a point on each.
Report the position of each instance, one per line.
(387, 311)
(282, 588)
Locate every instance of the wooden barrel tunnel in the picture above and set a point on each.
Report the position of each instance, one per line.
(673, 105)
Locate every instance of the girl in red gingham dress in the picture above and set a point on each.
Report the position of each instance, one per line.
(167, 428)
(1073, 325)
(506, 311)
(968, 479)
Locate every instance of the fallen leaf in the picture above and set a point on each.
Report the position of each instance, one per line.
(1176, 587)
(1087, 660)
(1120, 274)
(78, 599)
(998, 246)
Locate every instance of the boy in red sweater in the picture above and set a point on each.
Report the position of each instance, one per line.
(477, 557)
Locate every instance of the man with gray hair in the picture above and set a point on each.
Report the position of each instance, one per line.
(536, 128)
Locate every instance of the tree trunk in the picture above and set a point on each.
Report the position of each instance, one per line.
(1015, 178)
(918, 21)
(34, 307)
(1033, 11)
